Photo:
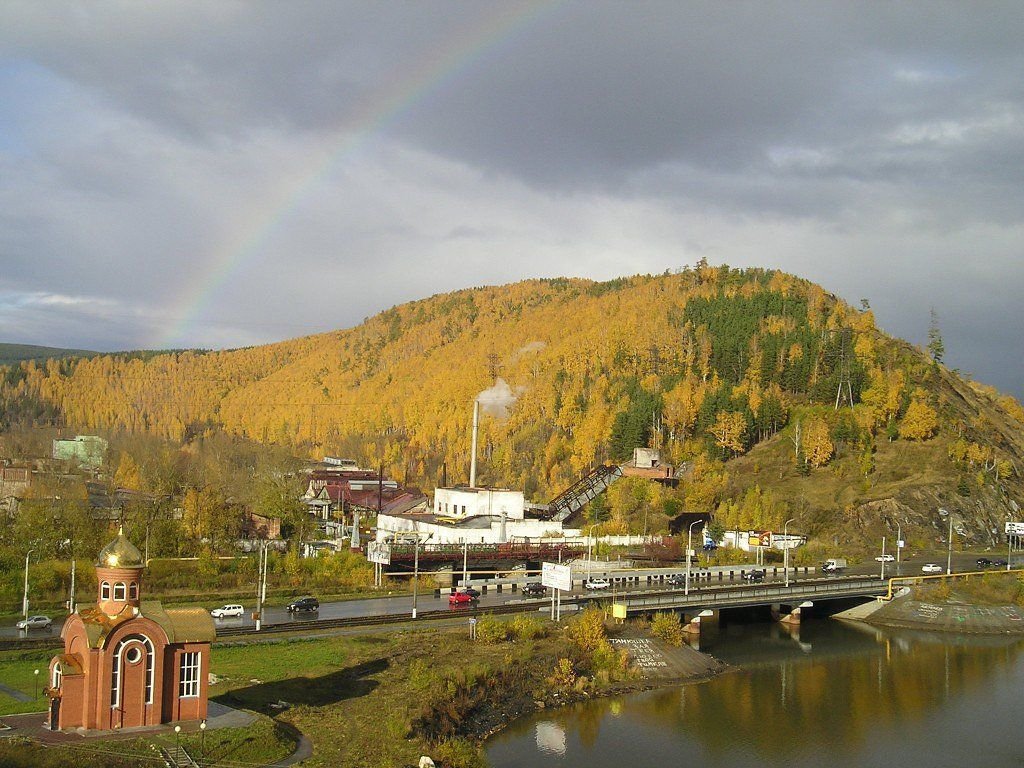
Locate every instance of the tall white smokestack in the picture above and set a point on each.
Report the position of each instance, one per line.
(472, 459)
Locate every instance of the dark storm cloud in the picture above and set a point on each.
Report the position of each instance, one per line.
(162, 165)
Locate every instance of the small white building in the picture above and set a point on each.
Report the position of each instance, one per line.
(469, 502)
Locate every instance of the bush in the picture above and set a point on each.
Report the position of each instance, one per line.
(491, 630)
(564, 676)
(667, 627)
(527, 628)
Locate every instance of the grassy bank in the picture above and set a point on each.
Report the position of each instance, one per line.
(996, 588)
(384, 700)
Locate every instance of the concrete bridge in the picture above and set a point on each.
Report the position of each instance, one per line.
(787, 602)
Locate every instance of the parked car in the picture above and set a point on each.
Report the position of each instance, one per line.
(887, 558)
(754, 575)
(304, 604)
(460, 598)
(984, 562)
(225, 611)
(34, 622)
(534, 589)
(932, 568)
(597, 584)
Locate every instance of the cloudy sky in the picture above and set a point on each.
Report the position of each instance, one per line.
(226, 173)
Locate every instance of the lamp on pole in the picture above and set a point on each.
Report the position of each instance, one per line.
(590, 540)
(177, 745)
(949, 541)
(689, 539)
(416, 570)
(35, 688)
(24, 599)
(785, 547)
(202, 743)
(899, 545)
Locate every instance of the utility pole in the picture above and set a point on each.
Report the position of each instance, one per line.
(261, 586)
(949, 555)
(785, 544)
(71, 602)
(24, 599)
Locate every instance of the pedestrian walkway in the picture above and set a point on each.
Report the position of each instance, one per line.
(14, 694)
(33, 726)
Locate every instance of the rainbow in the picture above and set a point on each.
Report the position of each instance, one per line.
(408, 88)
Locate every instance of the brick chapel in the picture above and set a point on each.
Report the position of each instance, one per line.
(128, 662)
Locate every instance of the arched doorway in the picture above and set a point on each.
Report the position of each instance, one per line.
(131, 683)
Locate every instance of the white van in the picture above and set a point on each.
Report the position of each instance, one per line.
(227, 610)
(834, 565)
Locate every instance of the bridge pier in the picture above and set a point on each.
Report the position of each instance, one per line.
(793, 617)
(709, 617)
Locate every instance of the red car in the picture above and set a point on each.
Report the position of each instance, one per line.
(460, 598)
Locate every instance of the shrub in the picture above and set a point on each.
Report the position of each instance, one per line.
(527, 628)
(587, 632)
(491, 630)
(564, 676)
(667, 627)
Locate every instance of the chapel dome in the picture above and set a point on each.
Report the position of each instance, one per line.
(120, 553)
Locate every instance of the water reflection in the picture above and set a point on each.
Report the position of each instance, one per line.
(823, 695)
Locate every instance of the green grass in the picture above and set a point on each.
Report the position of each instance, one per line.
(17, 671)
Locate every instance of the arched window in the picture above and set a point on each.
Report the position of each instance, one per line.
(105, 591)
(55, 677)
(119, 591)
(133, 591)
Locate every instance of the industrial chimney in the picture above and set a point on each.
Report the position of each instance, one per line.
(472, 460)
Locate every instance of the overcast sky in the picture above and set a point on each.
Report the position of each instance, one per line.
(220, 174)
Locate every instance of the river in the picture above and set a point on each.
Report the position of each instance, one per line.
(830, 696)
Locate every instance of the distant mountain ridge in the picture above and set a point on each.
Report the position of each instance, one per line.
(16, 353)
(775, 394)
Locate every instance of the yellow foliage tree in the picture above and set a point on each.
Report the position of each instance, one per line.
(729, 430)
(920, 421)
(818, 447)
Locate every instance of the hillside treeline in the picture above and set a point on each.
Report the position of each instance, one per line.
(704, 363)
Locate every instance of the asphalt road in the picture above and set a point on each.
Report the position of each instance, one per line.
(399, 604)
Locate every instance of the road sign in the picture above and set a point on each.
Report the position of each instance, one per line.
(1015, 529)
(378, 552)
(556, 576)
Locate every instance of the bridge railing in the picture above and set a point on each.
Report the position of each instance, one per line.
(724, 597)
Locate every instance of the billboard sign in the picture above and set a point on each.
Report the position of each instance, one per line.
(378, 552)
(1015, 529)
(556, 576)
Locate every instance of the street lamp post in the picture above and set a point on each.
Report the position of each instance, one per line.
(24, 599)
(949, 553)
(883, 558)
(202, 743)
(177, 745)
(899, 545)
(689, 539)
(590, 540)
(35, 688)
(416, 570)
(785, 547)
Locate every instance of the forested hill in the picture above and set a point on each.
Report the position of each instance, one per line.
(12, 354)
(731, 371)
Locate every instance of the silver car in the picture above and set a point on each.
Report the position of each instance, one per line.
(34, 622)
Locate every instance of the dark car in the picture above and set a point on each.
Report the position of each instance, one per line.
(754, 575)
(998, 562)
(471, 591)
(984, 562)
(534, 589)
(304, 604)
(677, 581)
